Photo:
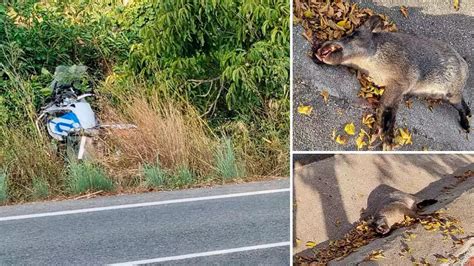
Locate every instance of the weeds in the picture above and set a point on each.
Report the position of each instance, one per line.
(181, 103)
(226, 162)
(3, 187)
(155, 176)
(87, 177)
(40, 189)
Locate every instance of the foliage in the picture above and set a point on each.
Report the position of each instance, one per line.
(219, 55)
(155, 176)
(40, 189)
(205, 69)
(84, 177)
(226, 162)
(3, 187)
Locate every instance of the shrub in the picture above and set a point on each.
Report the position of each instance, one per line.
(155, 176)
(3, 187)
(226, 162)
(85, 176)
(183, 177)
(40, 189)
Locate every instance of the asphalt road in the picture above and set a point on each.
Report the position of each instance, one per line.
(228, 225)
(433, 130)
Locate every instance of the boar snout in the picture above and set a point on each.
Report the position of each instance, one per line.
(330, 53)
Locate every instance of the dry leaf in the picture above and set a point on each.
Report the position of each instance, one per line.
(310, 244)
(404, 11)
(368, 120)
(341, 139)
(456, 5)
(325, 95)
(350, 129)
(404, 137)
(297, 242)
(360, 141)
(342, 23)
(376, 255)
(305, 109)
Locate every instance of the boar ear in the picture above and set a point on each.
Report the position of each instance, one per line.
(372, 23)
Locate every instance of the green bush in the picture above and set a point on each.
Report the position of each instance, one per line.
(228, 59)
(84, 177)
(236, 53)
(3, 187)
(226, 162)
(155, 176)
(40, 189)
(183, 177)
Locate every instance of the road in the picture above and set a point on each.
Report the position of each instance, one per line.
(233, 224)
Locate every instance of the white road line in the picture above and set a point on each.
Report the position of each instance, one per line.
(204, 254)
(144, 204)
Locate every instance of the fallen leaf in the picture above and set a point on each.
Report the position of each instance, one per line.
(350, 129)
(360, 141)
(342, 23)
(297, 242)
(305, 109)
(376, 255)
(310, 244)
(404, 137)
(341, 139)
(404, 11)
(368, 120)
(456, 4)
(325, 95)
(308, 13)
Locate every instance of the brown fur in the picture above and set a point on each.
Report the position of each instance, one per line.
(405, 65)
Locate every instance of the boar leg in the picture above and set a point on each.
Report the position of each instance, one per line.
(466, 107)
(463, 110)
(386, 114)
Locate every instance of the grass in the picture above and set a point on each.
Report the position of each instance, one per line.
(184, 177)
(187, 143)
(167, 131)
(40, 189)
(155, 176)
(87, 177)
(170, 132)
(226, 161)
(3, 187)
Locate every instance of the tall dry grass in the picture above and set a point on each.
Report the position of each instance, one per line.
(28, 157)
(168, 133)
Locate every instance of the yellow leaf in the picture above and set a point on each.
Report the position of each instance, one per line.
(341, 139)
(376, 255)
(310, 244)
(325, 95)
(443, 260)
(404, 137)
(456, 4)
(305, 109)
(308, 13)
(360, 142)
(368, 120)
(350, 129)
(342, 23)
